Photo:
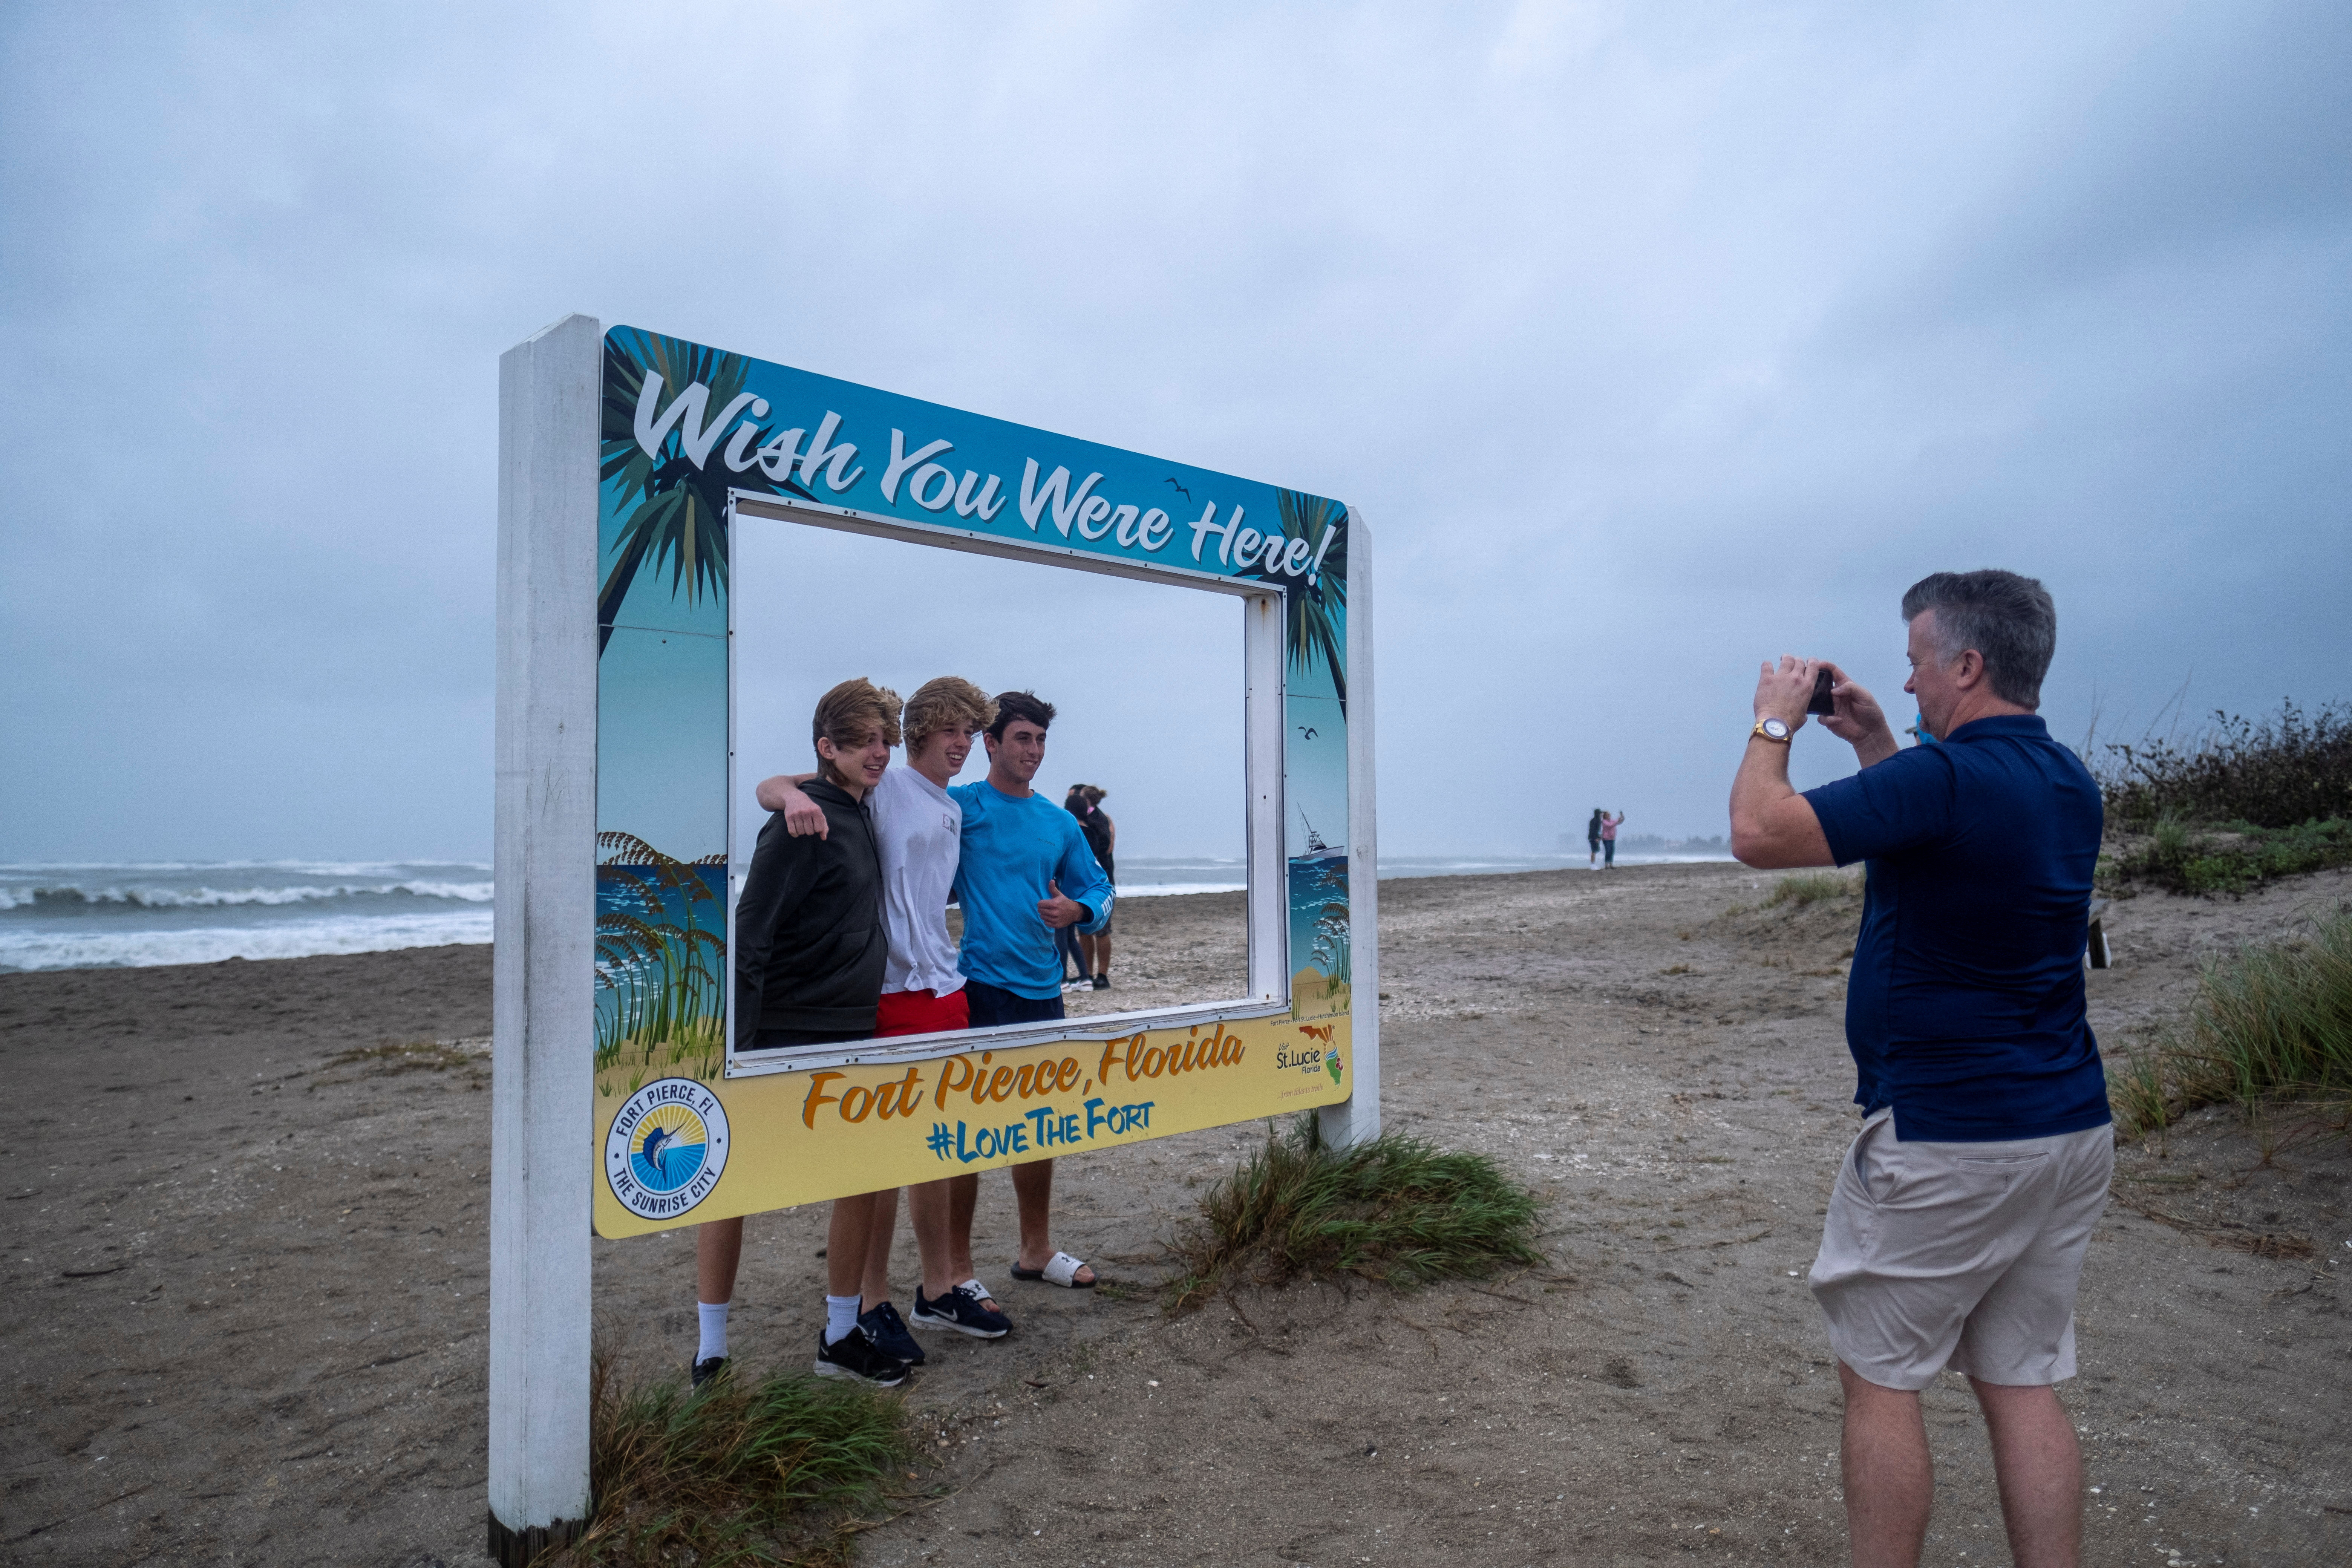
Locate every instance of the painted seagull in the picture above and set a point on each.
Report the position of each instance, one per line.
(654, 1151)
(1182, 490)
(1305, 732)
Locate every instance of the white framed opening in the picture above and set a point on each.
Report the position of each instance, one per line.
(1263, 866)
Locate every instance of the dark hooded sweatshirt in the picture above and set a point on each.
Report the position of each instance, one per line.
(809, 939)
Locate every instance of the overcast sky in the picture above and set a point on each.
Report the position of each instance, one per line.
(1651, 340)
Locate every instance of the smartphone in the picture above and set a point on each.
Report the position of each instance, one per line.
(1822, 703)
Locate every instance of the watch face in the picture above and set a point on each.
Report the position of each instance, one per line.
(1777, 729)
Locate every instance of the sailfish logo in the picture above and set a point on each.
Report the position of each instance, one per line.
(670, 1144)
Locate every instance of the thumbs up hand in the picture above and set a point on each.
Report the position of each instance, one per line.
(1057, 910)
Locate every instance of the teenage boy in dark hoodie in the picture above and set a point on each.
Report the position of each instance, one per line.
(810, 948)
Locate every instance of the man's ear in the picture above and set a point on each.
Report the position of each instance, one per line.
(1969, 669)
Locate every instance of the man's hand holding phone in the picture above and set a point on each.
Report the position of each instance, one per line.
(1855, 717)
(1798, 686)
(1784, 691)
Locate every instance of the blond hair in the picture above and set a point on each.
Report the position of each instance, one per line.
(943, 703)
(848, 713)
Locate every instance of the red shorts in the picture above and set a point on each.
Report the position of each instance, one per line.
(920, 1013)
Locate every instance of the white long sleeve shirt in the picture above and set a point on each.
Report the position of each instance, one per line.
(919, 829)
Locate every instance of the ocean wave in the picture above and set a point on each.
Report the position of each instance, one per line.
(140, 949)
(1162, 889)
(292, 868)
(205, 897)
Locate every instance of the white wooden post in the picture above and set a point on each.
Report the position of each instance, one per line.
(545, 918)
(1357, 1118)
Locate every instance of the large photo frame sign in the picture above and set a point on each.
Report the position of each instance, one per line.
(695, 445)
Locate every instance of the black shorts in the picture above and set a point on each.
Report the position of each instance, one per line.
(993, 1005)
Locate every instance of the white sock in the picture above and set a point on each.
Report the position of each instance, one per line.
(714, 1330)
(840, 1317)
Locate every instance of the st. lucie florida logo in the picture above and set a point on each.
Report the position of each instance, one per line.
(666, 1148)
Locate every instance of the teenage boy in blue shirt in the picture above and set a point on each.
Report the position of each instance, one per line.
(1026, 871)
(1957, 1223)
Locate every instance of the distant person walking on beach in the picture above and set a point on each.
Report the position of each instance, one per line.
(1609, 826)
(1593, 835)
(1960, 1215)
(1102, 837)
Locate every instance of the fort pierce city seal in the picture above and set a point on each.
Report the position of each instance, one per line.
(666, 1148)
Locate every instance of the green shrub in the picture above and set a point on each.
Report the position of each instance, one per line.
(745, 1470)
(1393, 1209)
(2271, 1019)
(1809, 888)
(2271, 773)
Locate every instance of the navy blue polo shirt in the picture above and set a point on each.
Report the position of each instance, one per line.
(1965, 1007)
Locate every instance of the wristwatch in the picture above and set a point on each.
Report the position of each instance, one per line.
(1771, 730)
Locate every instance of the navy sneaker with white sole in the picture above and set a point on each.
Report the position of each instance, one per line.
(855, 1355)
(889, 1331)
(961, 1310)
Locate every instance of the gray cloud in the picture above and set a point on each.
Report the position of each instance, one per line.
(1654, 340)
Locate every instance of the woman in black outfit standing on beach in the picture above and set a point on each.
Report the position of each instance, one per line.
(1592, 836)
(1102, 837)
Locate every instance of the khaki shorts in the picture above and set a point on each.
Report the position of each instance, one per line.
(1960, 1255)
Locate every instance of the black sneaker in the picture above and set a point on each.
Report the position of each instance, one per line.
(855, 1355)
(709, 1368)
(1102, 982)
(887, 1330)
(961, 1310)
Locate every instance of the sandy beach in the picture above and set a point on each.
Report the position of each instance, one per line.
(246, 1209)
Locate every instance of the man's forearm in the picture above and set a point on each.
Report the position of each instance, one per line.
(1772, 826)
(1762, 778)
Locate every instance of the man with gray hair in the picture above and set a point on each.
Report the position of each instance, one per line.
(1956, 1229)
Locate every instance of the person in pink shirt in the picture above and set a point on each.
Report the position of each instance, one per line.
(1609, 841)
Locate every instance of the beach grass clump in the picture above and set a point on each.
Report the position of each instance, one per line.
(779, 1470)
(2232, 858)
(1809, 888)
(1395, 1210)
(2271, 1021)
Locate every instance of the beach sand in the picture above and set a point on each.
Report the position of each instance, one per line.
(245, 1274)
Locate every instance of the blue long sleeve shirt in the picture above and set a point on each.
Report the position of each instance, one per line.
(1010, 850)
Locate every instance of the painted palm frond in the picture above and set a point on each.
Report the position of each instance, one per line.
(1315, 614)
(1332, 942)
(673, 509)
(661, 972)
(630, 859)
